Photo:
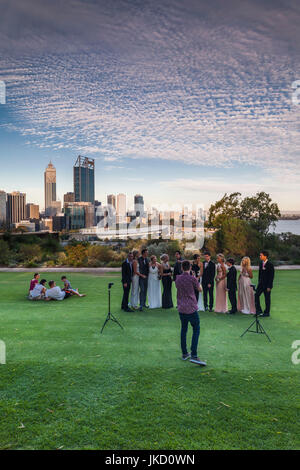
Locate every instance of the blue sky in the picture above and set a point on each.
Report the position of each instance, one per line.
(179, 101)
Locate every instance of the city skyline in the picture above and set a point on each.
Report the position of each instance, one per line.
(178, 104)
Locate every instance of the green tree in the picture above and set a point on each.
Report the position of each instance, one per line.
(260, 211)
(227, 207)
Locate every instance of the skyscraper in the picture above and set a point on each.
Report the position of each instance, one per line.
(111, 200)
(32, 211)
(2, 207)
(84, 179)
(16, 202)
(121, 207)
(139, 205)
(50, 188)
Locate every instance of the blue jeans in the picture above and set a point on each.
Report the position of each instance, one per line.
(193, 318)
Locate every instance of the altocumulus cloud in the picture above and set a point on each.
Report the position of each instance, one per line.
(205, 83)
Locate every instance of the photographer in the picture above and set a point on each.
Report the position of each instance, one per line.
(188, 311)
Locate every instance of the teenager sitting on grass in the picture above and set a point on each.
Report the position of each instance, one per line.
(67, 287)
(55, 293)
(34, 282)
(39, 291)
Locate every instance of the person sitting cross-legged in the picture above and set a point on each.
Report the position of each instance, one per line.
(39, 291)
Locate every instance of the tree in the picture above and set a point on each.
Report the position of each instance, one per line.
(227, 207)
(260, 211)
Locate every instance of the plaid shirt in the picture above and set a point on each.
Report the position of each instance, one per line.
(186, 297)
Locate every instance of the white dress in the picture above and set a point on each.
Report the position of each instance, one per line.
(200, 299)
(154, 289)
(135, 290)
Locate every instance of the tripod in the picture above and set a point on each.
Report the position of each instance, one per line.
(258, 328)
(110, 315)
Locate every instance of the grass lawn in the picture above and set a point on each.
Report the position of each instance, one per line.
(66, 386)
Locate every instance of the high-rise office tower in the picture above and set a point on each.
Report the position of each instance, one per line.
(121, 207)
(139, 205)
(32, 211)
(16, 202)
(84, 179)
(111, 200)
(2, 207)
(50, 188)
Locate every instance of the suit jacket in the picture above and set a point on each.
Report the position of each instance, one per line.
(209, 273)
(143, 265)
(127, 272)
(231, 278)
(266, 276)
(177, 269)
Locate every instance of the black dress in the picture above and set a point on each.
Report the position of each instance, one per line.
(167, 301)
(195, 270)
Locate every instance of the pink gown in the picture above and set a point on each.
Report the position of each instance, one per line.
(221, 293)
(246, 299)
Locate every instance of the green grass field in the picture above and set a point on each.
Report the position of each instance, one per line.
(65, 386)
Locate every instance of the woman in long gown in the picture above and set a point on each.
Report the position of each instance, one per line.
(154, 289)
(166, 277)
(246, 298)
(197, 271)
(135, 295)
(221, 293)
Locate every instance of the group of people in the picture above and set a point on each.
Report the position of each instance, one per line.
(220, 283)
(195, 288)
(141, 276)
(38, 289)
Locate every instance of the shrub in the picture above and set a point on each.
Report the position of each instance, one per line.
(76, 255)
(4, 253)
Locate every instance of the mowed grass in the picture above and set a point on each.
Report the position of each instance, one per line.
(66, 386)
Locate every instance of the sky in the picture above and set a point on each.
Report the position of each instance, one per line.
(180, 101)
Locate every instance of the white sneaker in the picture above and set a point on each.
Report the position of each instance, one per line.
(196, 360)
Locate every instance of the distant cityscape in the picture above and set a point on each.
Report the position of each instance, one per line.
(80, 212)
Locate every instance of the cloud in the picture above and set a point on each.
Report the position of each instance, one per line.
(207, 84)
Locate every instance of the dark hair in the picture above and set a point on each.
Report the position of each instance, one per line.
(231, 261)
(63, 277)
(178, 251)
(43, 281)
(186, 265)
(196, 255)
(144, 250)
(51, 283)
(207, 253)
(265, 253)
(36, 274)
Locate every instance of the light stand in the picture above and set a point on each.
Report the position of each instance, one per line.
(110, 315)
(258, 327)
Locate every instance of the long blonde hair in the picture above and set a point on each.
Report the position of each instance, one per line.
(246, 263)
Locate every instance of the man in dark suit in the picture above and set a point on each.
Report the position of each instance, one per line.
(265, 283)
(177, 266)
(208, 281)
(126, 281)
(143, 280)
(232, 285)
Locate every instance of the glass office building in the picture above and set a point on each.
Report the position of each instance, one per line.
(84, 180)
